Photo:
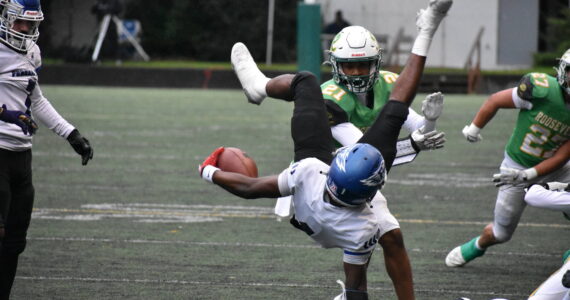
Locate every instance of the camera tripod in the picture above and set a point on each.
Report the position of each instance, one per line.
(104, 27)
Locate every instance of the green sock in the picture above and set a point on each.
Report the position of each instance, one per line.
(469, 251)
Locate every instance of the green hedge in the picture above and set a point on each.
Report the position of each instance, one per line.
(206, 29)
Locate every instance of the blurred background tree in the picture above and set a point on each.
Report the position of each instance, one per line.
(206, 29)
(554, 37)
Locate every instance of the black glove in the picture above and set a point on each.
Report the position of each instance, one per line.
(81, 146)
(566, 279)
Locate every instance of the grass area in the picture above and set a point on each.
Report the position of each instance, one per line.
(139, 223)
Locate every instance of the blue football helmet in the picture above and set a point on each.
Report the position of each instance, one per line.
(12, 11)
(356, 174)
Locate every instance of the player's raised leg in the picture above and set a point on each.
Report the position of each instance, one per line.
(252, 80)
(255, 84)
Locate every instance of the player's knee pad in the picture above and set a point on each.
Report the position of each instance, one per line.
(502, 233)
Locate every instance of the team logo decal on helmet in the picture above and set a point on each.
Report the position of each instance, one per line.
(355, 44)
(376, 180)
(356, 174)
(14, 11)
(562, 71)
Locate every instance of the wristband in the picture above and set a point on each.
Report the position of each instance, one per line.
(208, 173)
(530, 173)
(421, 45)
(473, 130)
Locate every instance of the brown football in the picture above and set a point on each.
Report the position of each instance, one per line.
(235, 160)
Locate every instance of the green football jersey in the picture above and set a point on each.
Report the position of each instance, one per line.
(540, 131)
(353, 110)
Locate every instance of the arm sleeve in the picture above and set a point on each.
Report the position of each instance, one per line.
(383, 134)
(346, 133)
(44, 111)
(414, 121)
(335, 113)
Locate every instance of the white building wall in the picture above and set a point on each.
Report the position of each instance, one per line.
(454, 38)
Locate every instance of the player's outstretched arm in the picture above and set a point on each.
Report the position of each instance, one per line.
(496, 101)
(560, 157)
(235, 183)
(549, 165)
(427, 22)
(247, 187)
(407, 83)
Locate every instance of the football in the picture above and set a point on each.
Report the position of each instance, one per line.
(237, 161)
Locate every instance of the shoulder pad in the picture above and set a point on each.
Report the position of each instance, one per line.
(387, 76)
(532, 86)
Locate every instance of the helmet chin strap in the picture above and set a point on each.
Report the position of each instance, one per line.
(328, 198)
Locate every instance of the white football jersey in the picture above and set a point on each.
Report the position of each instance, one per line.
(19, 90)
(355, 230)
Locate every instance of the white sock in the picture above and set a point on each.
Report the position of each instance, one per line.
(477, 244)
(260, 86)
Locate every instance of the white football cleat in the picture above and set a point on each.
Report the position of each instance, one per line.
(252, 80)
(428, 19)
(455, 258)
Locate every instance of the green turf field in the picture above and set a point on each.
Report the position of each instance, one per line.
(139, 223)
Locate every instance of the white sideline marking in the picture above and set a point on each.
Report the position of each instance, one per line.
(182, 213)
(443, 180)
(262, 245)
(249, 284)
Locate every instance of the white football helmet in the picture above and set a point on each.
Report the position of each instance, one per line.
(562, 70)
(355, 44)
(20, 10)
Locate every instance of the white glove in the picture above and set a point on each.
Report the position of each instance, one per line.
(557, 186)
(432, 106)
(428, 141)
(513, 176)
(471, 133)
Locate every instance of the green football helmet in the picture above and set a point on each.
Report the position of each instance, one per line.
(355, 44)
